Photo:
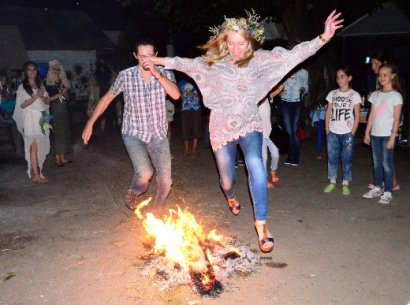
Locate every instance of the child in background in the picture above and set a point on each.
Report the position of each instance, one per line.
(265, 113)
(377, 59)
(342, 120)
(191, 115)
(381, 131)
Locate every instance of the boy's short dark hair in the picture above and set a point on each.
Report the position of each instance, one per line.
(145, 42)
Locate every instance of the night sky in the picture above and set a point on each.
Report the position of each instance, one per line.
(61, 3)
(102, 11)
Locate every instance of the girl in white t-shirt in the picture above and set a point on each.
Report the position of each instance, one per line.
(342, 120)
(381, 131)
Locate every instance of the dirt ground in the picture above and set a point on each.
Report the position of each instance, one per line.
(73, 242)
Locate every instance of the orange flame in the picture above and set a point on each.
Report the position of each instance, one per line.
(181, 239)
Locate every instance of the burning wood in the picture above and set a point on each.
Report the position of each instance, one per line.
(185, 254)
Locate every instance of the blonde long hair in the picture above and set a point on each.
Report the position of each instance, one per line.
(51, 78)
(216, 49)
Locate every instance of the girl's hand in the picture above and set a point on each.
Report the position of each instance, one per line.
(390, 143)
(366, 139)
(149, 63)
(331, 25)
(146, 60)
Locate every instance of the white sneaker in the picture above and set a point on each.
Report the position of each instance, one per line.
(386, 198)
(376, 192)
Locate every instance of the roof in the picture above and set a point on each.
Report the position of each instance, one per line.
(387, 20)
(12, 50)
(53, 29)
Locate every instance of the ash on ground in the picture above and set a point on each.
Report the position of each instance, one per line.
(230, 258)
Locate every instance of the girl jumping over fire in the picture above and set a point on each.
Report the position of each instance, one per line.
(233, 76)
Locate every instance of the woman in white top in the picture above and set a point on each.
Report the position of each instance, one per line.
(32, 119)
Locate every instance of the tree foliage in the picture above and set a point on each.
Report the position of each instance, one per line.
(301, 18)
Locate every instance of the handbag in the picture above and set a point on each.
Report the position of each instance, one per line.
(280, 138)
(300, 133)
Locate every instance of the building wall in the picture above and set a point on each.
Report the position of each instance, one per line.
(78, 65)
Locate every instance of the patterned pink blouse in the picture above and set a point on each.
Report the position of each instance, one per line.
(232, 93)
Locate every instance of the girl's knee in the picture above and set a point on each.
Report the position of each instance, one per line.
(226, 185)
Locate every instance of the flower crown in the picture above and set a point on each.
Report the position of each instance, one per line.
(249, 24)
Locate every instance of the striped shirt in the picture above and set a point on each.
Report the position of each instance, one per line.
(144, 104)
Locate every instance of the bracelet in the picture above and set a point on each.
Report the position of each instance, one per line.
(160, 76)
(322, 39)
(395, 132)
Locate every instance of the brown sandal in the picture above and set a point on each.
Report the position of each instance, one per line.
(234, 206)
(265, 238)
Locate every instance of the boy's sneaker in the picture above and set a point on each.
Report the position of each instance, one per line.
(346, 190)
(330, 188)
(376, 192)
(386, 198)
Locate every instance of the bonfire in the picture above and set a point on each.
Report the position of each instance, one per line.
(182, 253)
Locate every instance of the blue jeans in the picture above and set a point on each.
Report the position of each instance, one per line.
(250, 144)
(146, 157)
(383, 167)
(290, 119)
(340, 146)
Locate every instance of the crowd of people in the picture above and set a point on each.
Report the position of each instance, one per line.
(237, 81)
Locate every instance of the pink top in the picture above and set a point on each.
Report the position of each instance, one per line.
(233, 93)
